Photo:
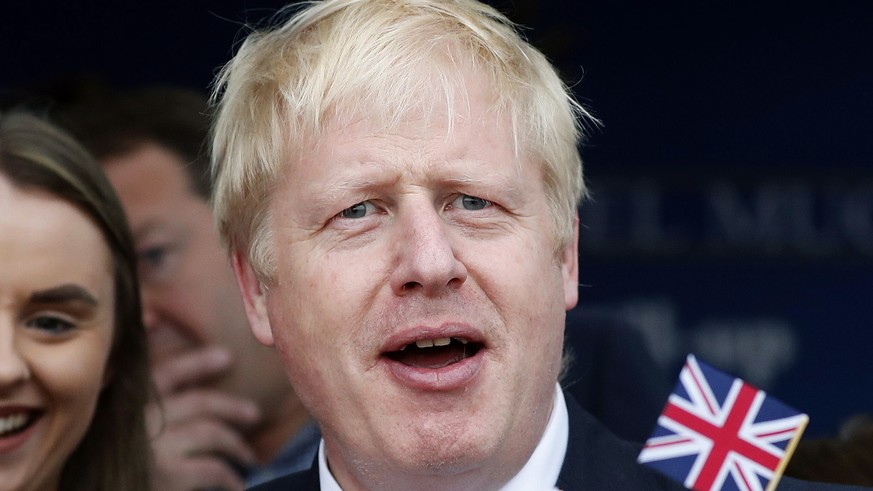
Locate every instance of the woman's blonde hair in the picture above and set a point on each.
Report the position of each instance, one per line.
(382, 60)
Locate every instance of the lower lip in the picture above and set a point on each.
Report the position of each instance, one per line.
(12, 442)
(450, 377)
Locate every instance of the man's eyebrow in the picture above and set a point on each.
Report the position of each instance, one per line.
(342, 186)
(148, 227)
(63, 294)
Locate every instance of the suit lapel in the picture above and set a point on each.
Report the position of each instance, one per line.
(598, 460)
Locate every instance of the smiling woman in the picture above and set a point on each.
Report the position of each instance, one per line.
(73, 373)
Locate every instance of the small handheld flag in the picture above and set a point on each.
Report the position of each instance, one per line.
(717, 433)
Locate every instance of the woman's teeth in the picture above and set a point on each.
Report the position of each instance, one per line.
(12, 423)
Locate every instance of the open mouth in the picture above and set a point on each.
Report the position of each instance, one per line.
(435, 353)
(16, 423)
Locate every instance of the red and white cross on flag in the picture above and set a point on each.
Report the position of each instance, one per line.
(718, 432)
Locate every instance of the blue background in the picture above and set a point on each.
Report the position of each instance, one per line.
(732, 184)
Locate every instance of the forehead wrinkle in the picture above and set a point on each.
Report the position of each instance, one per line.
(381, 167)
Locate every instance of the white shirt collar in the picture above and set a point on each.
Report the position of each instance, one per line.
(539, 473)
(325, 478)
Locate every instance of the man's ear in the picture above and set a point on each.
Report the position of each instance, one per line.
(570, 267)
(254, 298)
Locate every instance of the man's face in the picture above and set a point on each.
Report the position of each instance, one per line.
(190, 298)
(421, 236)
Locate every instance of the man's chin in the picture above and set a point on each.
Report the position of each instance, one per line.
(427, 458)
(444, 443)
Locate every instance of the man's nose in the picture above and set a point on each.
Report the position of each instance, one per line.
(13, 366)
(426, 259)
(150, 316)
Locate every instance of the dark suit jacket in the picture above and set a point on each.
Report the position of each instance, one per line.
(613, 375)
(596, 461)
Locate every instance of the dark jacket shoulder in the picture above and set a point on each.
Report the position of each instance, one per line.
(596, 460)
(299, 481)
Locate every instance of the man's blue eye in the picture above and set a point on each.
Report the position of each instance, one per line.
(473, 203)
(356, 211)
(52, 325)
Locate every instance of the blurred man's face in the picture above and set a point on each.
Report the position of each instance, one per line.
(418, 301)
(190, 298)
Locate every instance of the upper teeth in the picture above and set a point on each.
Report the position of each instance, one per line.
(13, 422)
(430, 343)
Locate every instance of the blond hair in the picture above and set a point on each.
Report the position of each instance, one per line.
(375, 59)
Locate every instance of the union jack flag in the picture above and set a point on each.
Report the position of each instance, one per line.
(719, 433)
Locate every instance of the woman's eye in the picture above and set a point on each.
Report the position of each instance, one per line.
(50, 324)
(472, 203)
(359, 210)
